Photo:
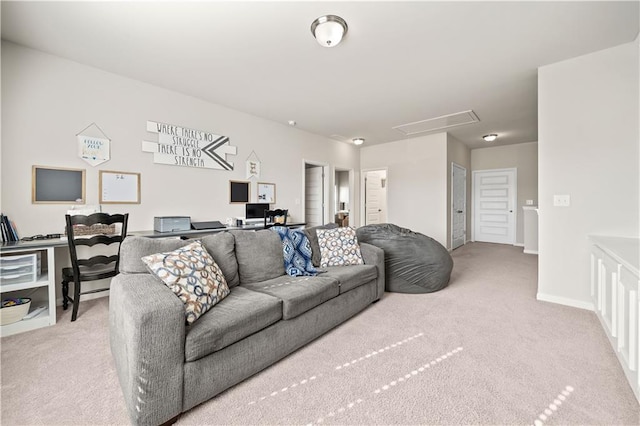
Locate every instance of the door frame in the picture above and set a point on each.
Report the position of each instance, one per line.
(352, 194)
(363, 193)
(513, 200)
(464, 197)
(325, 189)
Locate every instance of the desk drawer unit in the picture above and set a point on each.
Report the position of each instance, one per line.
(27, 270)
(17, 269)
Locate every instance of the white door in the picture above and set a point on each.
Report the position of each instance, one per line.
(375, 197)
(494, 205)
(313, 196)
(458, 205)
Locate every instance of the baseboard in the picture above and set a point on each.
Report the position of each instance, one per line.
(530, 251)
(519, 244)
(564, 301)
(84, 297)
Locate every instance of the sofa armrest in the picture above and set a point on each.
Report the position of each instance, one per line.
(373, 255)
(147, 335)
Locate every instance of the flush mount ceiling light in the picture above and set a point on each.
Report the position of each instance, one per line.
(329, 30)
(358, 141)
(490, 138)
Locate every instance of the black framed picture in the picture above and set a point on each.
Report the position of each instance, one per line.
(238, 191)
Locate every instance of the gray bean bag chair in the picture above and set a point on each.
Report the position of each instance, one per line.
(414, 263)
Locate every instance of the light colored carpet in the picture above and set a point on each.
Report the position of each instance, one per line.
(481, 351)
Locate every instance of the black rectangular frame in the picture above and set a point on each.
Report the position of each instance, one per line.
(239, 191)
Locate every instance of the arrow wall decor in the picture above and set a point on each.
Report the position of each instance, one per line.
(182, 146)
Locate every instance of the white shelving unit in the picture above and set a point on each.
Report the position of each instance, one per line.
(29, 272)
(615, 288)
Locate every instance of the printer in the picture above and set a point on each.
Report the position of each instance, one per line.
(171, 223)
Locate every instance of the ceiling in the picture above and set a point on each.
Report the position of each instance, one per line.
(400, 62)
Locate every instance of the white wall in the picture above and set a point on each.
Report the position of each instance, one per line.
(524, 157)
(47, 100)
(588, 149)
(458, 153)
(416, 182)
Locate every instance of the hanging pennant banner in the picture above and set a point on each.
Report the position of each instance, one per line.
(93, 149)
(253, 169)
(181, 146)
(253, 165)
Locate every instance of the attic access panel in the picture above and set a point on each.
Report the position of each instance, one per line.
(438, 123)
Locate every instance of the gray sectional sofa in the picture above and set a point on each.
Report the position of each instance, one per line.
(166, 367)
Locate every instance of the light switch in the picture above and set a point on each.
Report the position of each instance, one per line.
(561, 200)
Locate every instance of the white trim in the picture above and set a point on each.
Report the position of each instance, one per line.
(465, 208)
(530, 252)
(518, 244)
(564, 301)
(84, 297)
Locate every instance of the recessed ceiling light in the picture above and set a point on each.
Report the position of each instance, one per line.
(358, 141)
(490, 138)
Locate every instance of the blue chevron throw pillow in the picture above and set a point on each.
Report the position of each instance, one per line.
(296, 250)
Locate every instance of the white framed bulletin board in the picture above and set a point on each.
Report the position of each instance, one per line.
(119, 187)
(266, 192)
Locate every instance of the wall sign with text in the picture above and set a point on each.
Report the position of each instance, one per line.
(181, 146)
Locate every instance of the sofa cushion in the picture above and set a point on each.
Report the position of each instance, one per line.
(133, 249)
(239, 315)
(298, 294)
(339, 247)
(222, 247)
(192, 274)
(313, 240)
(259, 255)
(352, 276)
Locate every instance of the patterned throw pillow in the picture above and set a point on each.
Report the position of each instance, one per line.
(339, 247)
(192, 274)
(296, 251)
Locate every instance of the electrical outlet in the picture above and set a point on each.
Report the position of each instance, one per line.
(561, 200)
(529, 202)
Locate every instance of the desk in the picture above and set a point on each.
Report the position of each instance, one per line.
(198, 232)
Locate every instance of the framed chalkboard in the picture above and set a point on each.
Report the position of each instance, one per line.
(238, 191)
(54, 185)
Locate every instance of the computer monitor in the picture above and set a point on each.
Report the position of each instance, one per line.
(255, 211)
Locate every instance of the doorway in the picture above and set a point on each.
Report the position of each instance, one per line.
(494, 204)
(343, 188)
(314, 194)
(458, 205)
(375, 196)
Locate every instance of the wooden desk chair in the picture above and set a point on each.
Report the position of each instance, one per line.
(90, 268)
(271, 215)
